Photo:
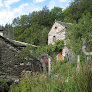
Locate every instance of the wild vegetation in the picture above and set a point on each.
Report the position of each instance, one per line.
(34, 27)
(64, 78)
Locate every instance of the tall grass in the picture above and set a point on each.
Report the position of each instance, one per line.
(64, 78)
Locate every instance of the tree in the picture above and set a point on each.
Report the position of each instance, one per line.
(16, 21)
(8, 31)
(78, 33)
(41, 17)
(24, 20)
(35, 34)
(76, 9)
(56, 13)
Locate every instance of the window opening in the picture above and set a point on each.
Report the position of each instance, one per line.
(54, 38)
(55, 27)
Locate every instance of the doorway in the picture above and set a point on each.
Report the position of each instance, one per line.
(60, 55)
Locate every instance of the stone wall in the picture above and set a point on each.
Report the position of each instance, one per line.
(8, 58)
(57, 31)
(11, 64)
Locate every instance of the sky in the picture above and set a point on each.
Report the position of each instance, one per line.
(10, 9)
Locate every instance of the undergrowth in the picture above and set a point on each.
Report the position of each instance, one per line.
(64, 78)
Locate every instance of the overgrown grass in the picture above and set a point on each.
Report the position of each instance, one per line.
(64, 69)
(64, 78)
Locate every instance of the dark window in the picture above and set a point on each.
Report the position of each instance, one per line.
(54, 38)
(55, 27)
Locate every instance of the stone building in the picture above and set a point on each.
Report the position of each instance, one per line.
(58, 31)
(9, 51)
(10, 63)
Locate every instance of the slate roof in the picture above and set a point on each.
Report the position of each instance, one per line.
(17, 44)
(63, 23)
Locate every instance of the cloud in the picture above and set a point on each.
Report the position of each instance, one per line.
(51, 4)
(64, 4)
(63, 0)
(20, 8)
(32, 7)
(25, 9)
(39, 1)
(58, 3)
(7, 15)
(1, 4)
(9, 2)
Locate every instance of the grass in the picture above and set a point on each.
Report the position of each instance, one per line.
(64, 78)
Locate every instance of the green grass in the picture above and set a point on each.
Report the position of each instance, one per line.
(64, 69)
(64, 78)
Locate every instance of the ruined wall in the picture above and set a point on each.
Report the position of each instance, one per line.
(8, 58)
(11, 64)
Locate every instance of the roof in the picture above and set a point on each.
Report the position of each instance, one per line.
(21, 43)
(63, 23)
(17, 44)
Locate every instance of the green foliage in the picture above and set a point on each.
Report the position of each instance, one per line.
(76, 9)
(32, 34)
(29, 52)
(53, 49)
(79, 32)
(3, 85)
(68, 80)
(56, 13)
(64, 69)
(16, 21)
(32, 52)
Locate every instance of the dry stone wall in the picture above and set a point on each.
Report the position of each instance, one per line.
(11, 64)
(8, 58)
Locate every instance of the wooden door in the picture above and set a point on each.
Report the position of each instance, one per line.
(60, 55)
